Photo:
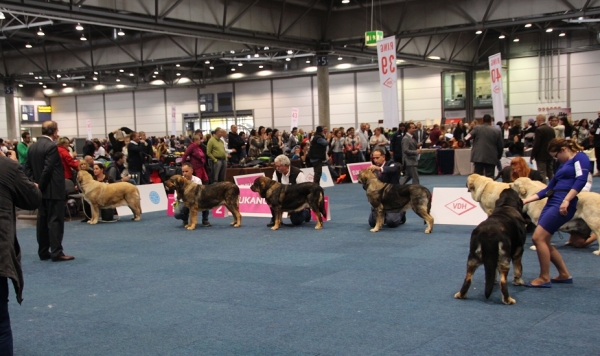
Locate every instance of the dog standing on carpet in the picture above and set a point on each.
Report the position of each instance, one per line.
(203, 197)
(102, 195)
(387, 197)
(284, 197)
(494, 243)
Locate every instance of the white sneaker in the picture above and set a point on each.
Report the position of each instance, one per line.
(533, 248)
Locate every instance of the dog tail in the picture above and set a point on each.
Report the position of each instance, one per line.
(490, 263)
(322, 203)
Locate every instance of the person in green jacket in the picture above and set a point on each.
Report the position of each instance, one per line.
(23, 146)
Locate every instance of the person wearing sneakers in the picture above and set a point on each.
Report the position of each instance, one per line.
(181, 211)
(285, 173)
(569, 180)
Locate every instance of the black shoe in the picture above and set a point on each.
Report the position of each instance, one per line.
(206, 224)
(271, 223)
(403, 220)
(45, 257)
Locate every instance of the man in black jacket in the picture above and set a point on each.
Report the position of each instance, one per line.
(236, 144)
(396, 143)
(285, 173)
(387, 172)
(135, 160)
(317, 153)
(543, 135)
(45, 168)
(15, 190)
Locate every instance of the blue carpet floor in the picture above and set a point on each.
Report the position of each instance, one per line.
(154, 288)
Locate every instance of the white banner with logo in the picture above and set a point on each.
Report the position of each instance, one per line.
(388, 78)
(173, 121)
(88, 124)
(152, 198)
(497, 91)
(295, 115)
(454, 206)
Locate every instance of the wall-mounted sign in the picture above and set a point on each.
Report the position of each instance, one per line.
(322, 61)
(207, 102)
(27, 113)
(44, 112)
(371, 37)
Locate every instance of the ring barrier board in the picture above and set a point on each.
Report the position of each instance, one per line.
(152, 198)
(355, 168)
(454, 206)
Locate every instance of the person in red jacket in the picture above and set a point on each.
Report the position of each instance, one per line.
(66, 158)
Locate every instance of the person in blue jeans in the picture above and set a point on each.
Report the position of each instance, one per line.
(562, 192)
(181, 211)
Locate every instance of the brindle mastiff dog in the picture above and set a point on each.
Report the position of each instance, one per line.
(494, 243)
(283, 197)
(387, 197)
(198, 197)
(102, 195)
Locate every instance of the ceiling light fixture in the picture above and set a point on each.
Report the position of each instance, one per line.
(562, 34)
(549, 30)
(40, 32)
(233, 69)
(211, 67)
(256, 55)
(436, 58)
(95, 78)
(41, 83)
(2, 17)
(96, 73)
(288, 59)
(121, 33)
(177, 65)
(478, 32)
(528, 25)
(43, 86)
(118, 80)
(121, 70)
(501, 37)
(308, 61)
(207, 62)
(178, 74)
(266, 48)
(516, 40)
(131, 74)
(155, 72)
(153, 76)
(58, 75)
(290, 51)
(232, 51)
(240, 64)
(260, 66)
(340, 58)
(345, 1)
(83, 38)
(20, 85)
(79, 27)
(27, 45)
(64, 84)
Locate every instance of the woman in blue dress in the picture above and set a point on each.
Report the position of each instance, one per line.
(562, 192)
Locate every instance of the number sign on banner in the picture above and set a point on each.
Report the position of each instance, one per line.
(388, 78)
(295, 115)
(497, 91)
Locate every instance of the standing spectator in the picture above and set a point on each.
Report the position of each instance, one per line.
(459, 132)
(15, 191)
(396, 143)
(387, 172)
(543, 135)
(581, 131)
(363, 135)
(135, 161)
(146, 144)
(293, 140)
(317, 153)
(352, 147)
(22, 147)
(410, 154)
(506, 138)
(487, 147)
(559, 130)
(515, 129)
(197, 158)
(88, 149)
(216, 152)
(420, 135)
(434, 135)
(236, 144)
(66, 158)
(45, 168)
(336, 146)
(99, 152)
(378, 140)
(117, 139)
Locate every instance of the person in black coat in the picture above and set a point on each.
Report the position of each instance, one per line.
(236, 144)
(135, 160)
(396, 143)
(45, 168)
(387, 172)
(15, 190)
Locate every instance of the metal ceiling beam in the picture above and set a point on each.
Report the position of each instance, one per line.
(72, 53)
(164, 14)
(487, 11)
(566, 2)
(587, 3)
(326, 25)
(239, 16)
(463, 12)
(300, 17)
(120, 47)
(437, 45)
(180, 46)
(281, 18)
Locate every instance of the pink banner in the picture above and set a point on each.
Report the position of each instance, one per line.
(170, 201)
(355, 168)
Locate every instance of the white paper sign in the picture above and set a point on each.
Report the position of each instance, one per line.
(173, 122)
(497, 92)
(388, 78)
(152, 198)
(88, 124)
(295, 115)
(454, 206)
(326, 180)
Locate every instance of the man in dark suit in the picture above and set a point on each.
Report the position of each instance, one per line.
(15, 190)
(543, 135)
(45, 168)
(488, 147)
(135, 159)
(387, 172)
(410, 155)
(396, 143)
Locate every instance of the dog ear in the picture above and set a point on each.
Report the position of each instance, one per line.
(522, 192)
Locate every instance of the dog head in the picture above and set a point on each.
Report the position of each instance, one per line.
(261, 185)
(365, 176)
(526, 187)
(510, 198)
(177, 182)
(83, 177)
(471, 179)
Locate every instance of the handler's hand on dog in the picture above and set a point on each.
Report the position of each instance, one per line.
(563, 207)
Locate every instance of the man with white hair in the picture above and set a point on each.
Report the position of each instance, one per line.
(285, 173)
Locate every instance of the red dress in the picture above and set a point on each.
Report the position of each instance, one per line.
(67, 161)
(197, 159)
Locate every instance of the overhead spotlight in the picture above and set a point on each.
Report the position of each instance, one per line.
(40, 32)
(289, 51)
(96, 73)
(528, 25)
(248, 56)
(118, 80)
(233, 69)
(131, 74)
(27, 45)
(580, 18)
(95, 78)
(79, 27)
(155, 72)
(240, 64)
(2, 17)
(340, 58)
(436, 58)
(260, 66)
(308, 61)
(177, 65)
(549, 30)
(501, 37)
(232, 51)
(64, 84)
(256, 55)
(153, 76)
(178, 74)
(83, 38)
(211, 67)
(516, 40)
(288, 59)
(562, 34)
(58, 75)
(207, 62)
(478, 32)
(20, 85)
(43, 86)
(345, 1)
(121, 33)
(41, 83)
(121, 70)
(266, 48)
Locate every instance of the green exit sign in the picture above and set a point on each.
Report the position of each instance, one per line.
(371, 37)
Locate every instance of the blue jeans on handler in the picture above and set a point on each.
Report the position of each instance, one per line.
(391, 219)
(183, 213)
(296, 217)
(6, 340)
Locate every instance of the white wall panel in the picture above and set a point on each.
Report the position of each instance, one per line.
(185, 100)
(422, 94)
(341, 100)
(150, 112)
(255, 96)
(585, 84)
(119, 111)
(91, 107)
(293, 93)
(65, 115)
(369, 105)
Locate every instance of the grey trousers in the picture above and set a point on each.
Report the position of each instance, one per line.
(218, 171)
(410, 173)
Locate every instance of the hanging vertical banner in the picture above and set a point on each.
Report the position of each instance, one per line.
(388, 77)
(173, 122)
(294, 122)
(497, 91)
(88, 123)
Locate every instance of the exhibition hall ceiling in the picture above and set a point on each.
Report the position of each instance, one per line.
(139, 43)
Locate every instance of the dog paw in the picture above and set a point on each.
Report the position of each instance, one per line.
(137, 218)
(518, 282)
(236, 225)
(374, 230)
(318, 227)
(597, 253)
(509, 301)
(91, 222)
(460, 296)
(275, 228)
(190, 227)
(427, 231)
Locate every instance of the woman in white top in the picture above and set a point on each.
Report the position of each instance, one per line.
(378, 140)
(582, 130)
(99, 152)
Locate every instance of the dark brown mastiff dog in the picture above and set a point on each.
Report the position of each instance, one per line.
(198, 197)
(283, 197)
(387, 197)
